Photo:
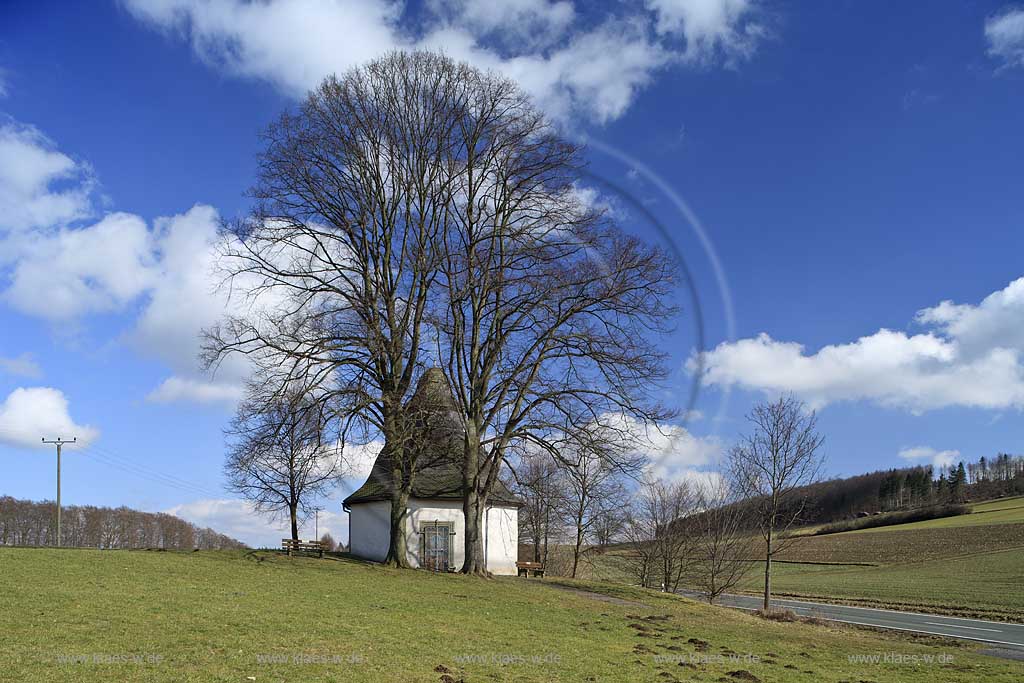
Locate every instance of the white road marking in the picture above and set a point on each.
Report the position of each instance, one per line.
(911, 630)
(895, 611)
(973, 628)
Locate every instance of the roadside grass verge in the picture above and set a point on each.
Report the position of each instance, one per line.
(234, 616)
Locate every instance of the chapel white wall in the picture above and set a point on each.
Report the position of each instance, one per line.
(501, 539)
(370, 532)
(369, 529)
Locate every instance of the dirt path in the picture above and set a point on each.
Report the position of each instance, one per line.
(598, 596)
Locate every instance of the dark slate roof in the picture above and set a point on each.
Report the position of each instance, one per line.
(440, 475)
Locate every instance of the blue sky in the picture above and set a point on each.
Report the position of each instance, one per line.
(854, 165)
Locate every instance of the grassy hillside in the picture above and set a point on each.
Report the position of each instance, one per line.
(227, 616)
(999, 511)
(896, 544)
(969, 564)
(1003, 511)
(966, 565)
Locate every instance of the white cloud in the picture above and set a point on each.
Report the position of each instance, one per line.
(30, 414)
(712, 28)
(971, 357)
(236, 518)
(358, 459)
(996, 322)
(183, 300)
(933, 456)
(55, 269)
(706, 481)
(1005, 35)
(536, 22)
(75, 272)
(683, 454)
(591, 68)
(24, 365)
(40, 187)
(671, 451)
(192, 390)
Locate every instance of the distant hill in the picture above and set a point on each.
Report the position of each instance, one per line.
(28, 523)
(911, 487)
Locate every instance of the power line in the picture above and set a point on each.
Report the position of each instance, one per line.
(150, 475)
(120, 462)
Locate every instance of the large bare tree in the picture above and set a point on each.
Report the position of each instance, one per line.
(417, 185)
(772, 465)
(549, 313)
(341, 249)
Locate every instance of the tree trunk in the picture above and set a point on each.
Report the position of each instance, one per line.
(547, 530)
(768, 575)
(293, 514)
(398, 555)
(576, 548)
(472, 508)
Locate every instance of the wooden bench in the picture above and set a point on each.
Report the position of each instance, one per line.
(526, 568)
(290, 546)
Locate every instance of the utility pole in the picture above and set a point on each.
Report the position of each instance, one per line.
(316, 523)
(59, 442)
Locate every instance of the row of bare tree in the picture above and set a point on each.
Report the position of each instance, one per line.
(582, 506)
(707, 533)
(28, 523)
(418, 212)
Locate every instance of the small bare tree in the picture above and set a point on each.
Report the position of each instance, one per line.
(771, 466)
(661, 544)
(726, 538)
(592, 490)
(540, 486)
(277, 458)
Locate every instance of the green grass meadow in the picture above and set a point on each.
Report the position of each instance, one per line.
(88, 615)
(969, 565)
(1003, 511)
(988, 585)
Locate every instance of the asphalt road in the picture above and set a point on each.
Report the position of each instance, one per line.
(995, 632)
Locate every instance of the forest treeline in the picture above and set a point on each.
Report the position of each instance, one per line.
(30, 523)
(912, 487)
